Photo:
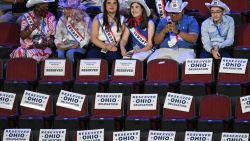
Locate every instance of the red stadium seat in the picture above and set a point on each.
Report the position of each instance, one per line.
(242, 42)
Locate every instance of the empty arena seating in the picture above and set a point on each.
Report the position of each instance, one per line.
(8, 118)
(215, 114)
(71, 119)
(21, 74)
(173, 120)
(162, 76)
(127, 84)
(242, 42)
(37, 119)
(108, 119)
(143, 120)
(54, 84)
(242, 120)
(197, 84)
(233, 84)
(9, 38)
(1, 74)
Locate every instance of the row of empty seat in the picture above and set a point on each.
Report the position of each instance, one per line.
(162, 76)
(215, 114)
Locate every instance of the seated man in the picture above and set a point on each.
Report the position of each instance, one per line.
(217, 31)
(176, 34)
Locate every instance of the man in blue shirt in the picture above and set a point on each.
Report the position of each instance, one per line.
(176, 34)
(217, 31)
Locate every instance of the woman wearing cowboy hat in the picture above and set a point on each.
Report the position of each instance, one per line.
(141, 29)
(106, 32)
(73, 30)
(176, 34)
(37, 32)
(217, 32)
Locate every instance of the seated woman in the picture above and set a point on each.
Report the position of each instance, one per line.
(72, 31)
(37, 32)
(141, 29)
(106, 32)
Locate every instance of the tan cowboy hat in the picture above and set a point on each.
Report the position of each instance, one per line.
(31, 3)
(218, 3)
(76, 4)
(142, 2)
(175, 6)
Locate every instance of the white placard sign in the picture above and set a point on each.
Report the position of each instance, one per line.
(245, 103)
(143, 101)
(70, 100)
(90, 135)
(90, 67)
(161, 135)
(233, 65)
(52, 134)
(125, 67)
(198, 136)
(126, 136)
(108, 100)
(16, 134)
(54, 67)
(234, 136)
(7, 100)
(34, 100)
(179, 102)
(198, 66)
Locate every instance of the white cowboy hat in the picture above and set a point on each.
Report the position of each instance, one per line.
(175, 6)
(31, 3)
(76, 4)
(142, 2)
(218, 3)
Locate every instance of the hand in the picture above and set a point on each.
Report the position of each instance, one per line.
(216, 54)
(111, 47)
(166, 29)
(123, 52)
(173, 27)
(75, 45)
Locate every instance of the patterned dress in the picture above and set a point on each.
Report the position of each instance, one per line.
(47, 26)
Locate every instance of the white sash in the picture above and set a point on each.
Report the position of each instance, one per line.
(73, 32)
(107, 31)
(29, 19)
(161, 8)
(138, 36)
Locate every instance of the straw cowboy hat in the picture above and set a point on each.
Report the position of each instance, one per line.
(76, 4)
(142, 2)
(31, 3)
(218, 3)
(175, 6)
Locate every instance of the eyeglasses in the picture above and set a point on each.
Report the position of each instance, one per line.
(216, 12)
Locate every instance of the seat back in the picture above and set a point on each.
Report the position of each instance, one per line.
(174, 114)
(138, 73)
(67, 77)
(233, 78)
(238, 112)
(167, 68)
(103, 73)
(1, 69)
(242, 35)
(107, 112)
(21, 69)
(11, 34)
(69, 113)
(234, 5)
(144, 113)
(196, 77)
(26, 111)
(13, 111)
(215, 107)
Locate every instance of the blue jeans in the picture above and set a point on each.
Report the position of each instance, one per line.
(70, 53)
(223, 53)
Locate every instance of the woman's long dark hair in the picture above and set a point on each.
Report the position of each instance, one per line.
(117, 15)
(144, 21)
